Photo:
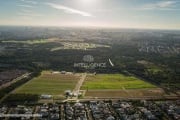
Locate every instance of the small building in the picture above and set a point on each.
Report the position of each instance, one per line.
(63, 72)
(46, 96)
(68, 93)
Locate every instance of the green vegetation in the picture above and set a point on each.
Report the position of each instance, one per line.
(7, 90)
(49, 83)
(151, 55)
(151, 67)
(27, 41)
(114, 81)
(21, 98)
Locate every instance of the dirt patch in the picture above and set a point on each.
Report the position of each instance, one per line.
(105, 93)
(127, 93)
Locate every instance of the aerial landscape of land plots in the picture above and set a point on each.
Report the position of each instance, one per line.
(94, 85)
(51, 83)
(118, 85)
(138, 65)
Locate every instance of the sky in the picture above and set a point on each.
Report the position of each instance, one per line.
(153, 14)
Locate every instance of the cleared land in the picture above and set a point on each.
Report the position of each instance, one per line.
(114, 81)
(28, 41)
(49, 83)
(118, 85)
(100, 85)
(79, 46)
(138, 93)
(74, 45)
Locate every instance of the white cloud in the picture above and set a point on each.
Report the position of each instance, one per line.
(163, 5)
(69, 10)
(26, 6)
(25, 18)
(29, 14)
(26, 10)
(29, 1)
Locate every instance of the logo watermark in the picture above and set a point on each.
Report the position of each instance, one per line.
(20, 115)
(89, 63)
(88, 58)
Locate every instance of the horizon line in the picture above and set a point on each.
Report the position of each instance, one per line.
(92, 27)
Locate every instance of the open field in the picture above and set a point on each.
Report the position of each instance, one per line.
(79, 46)
(138, 93)
(64, 45)
(118, 85)
(114, 81)
(49, 83)
(100, 85)
(40, 41)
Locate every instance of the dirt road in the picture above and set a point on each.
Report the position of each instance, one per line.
(79, 84)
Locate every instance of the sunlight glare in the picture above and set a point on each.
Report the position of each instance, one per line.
(87, 1)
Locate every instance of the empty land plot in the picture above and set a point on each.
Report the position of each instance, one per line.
(138, 93)
(118, 85)
(79, 46)
(49, 83)
(114, 81)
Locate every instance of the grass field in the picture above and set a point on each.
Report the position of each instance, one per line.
(114, 81)
(49, 83)
(118, 85)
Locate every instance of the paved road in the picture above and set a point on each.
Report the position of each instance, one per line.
(126, 91)
(133, 98)
(77, 88)
(15, 80)
(79, 84)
